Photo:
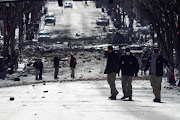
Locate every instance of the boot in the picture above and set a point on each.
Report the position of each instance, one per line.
(124, 97)
(157, 100)
(113, 97)
(130, 99)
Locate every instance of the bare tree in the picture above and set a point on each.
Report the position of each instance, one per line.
(162, 15)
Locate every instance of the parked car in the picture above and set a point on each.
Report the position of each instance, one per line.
(50, 18)
(68, 4)
(44, 35)
(102, 21)
(136, 49)
(111, 32)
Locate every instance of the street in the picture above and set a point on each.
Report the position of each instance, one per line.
(86, 100)
(85, 97)
(76, 22)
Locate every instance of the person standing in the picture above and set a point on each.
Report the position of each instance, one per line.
(35, 65)
(155, 62)
(72, 65)
(111, 70)
(129, 66)
(38, 65)
(56, 66)
(144, 59)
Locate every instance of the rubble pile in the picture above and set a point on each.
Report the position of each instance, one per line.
(90, 61)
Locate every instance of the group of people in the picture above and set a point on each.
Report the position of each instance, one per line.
(38, 65)
(129, 67)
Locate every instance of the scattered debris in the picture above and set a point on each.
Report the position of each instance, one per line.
(44, 83)
(98, 58)
(77, 34)
(89, 60)
(25, 75)
(17, 79)
(11, 98)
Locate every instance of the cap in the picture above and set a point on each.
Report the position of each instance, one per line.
(127, 50)
(110, 47)
(156, 50)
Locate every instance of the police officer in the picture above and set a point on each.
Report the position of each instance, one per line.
(129, 66)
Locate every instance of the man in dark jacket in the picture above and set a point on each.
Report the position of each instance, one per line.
(38, 65)
(72, 65)
(111, 70)
(56, 66)
(129, 66)
(155, 62)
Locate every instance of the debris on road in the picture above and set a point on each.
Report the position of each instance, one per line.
(11, 98)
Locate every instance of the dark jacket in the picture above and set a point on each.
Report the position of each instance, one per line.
(56, 61)
(38, 65)
(112, 63)
(144, 58)
(159, 65)
(73, 62)
(128, 64)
